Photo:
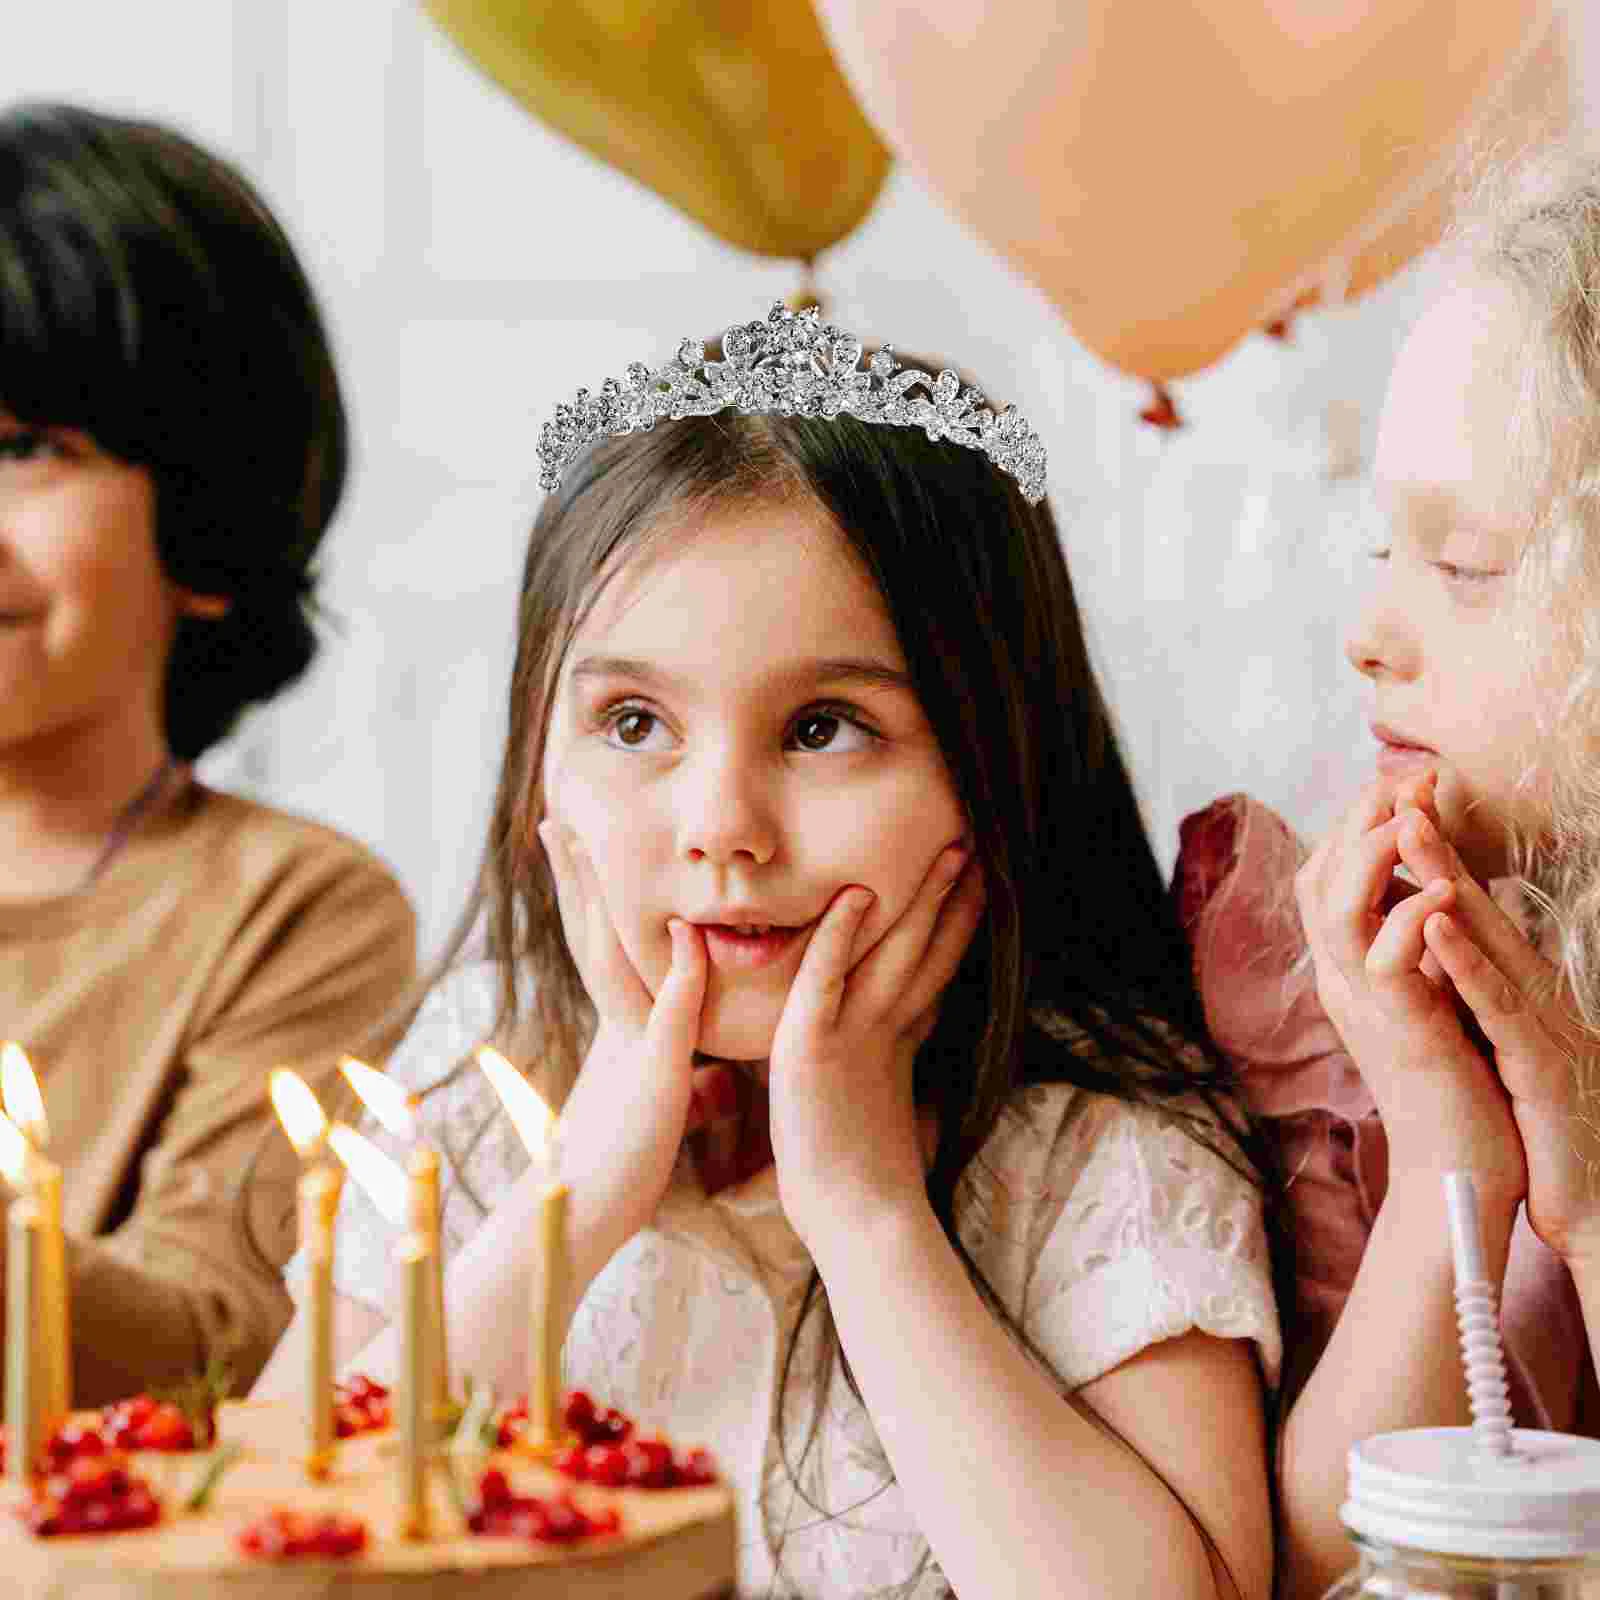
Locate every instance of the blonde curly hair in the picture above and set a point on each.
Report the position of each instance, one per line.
(1532, 225)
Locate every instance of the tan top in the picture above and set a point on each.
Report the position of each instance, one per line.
(224, 939)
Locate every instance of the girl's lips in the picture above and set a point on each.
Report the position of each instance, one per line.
(1397, 759)
(744, 951)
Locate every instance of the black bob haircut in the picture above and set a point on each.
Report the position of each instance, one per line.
(149, 298)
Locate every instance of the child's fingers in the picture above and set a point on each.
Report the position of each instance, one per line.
(817, 993)
(607, 974)
(888, 977)
(673, 1028)
(960, 912)
(1417, 793)
(1431, 855)
(1373, 807)
(1509, 1022)
(1394, 957)
(1355, 893)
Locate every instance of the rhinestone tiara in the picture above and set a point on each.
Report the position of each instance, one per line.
(793, 365)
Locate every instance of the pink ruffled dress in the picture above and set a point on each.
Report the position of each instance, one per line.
(1235, 892)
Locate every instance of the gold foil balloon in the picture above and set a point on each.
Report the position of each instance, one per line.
(1175, 174)
(733, 110)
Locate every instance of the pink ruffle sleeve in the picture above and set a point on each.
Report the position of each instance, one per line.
(1234, 885)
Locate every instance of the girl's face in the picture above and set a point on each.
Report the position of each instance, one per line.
(86, 613)
(734, 738)
(1439, 635)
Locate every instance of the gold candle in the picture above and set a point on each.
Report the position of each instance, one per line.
(395, 1109)
(416, 1384)
(317, 1195)
(27, 1170)
(422, 1196)
(548, 1284)
(549, 1268)
(319, 1191)
(25, 1415)
(55, 1337)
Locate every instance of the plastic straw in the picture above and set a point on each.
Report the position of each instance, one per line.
(1478, 1317)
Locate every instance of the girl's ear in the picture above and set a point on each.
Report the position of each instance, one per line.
(204, 607)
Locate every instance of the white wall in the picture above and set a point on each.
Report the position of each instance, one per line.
(475, 270)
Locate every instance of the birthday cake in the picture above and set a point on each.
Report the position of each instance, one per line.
(607, 1514)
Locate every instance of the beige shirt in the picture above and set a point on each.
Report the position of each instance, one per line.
(1103, 1229)
(225, 939)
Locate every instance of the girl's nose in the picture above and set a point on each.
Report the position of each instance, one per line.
(726, 816)
(1380, 646)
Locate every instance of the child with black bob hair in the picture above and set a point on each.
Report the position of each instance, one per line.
(173, 446)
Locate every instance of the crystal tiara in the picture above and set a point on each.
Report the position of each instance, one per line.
(793, 364)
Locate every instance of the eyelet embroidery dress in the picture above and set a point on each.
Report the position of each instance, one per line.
(1104, 1228)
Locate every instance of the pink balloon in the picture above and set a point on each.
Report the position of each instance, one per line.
(1174, 175)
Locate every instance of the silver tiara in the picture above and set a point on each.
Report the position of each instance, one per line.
(793, 365)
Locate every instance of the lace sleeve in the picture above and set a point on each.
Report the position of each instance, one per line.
(1155, 1236)
(460, 1117)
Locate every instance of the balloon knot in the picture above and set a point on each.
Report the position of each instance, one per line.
(1161, 413)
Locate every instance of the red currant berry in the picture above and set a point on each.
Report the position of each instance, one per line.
(649, 1463)
(607, 1464)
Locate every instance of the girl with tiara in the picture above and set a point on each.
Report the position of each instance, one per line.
(902, 1174)
(1445, 1019)
(172, 449)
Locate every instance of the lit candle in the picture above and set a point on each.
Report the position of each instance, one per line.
(41, 1180)
(317, 1193)
(386, 1184)
(392, 1106)
(535, 1126)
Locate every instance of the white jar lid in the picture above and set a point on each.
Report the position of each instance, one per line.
(1433, 1489)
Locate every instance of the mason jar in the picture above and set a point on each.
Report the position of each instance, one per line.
(1434, 1517)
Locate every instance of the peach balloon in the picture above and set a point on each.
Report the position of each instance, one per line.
(733, 110)
(1176, 175)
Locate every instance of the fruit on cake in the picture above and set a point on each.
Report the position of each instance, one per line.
(144, 1500)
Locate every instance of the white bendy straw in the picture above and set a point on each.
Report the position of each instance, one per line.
(1477, 1315)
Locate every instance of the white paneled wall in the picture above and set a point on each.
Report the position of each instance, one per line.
(476, 269)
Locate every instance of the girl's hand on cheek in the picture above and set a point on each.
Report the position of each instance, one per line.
(845, 1132)
(1547, 1061)
(628, 1112)
(1441, 1103)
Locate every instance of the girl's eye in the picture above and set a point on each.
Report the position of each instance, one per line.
(26, 444)
(1380, 554)
(816, 731)
(1455, 573)
(629, 727)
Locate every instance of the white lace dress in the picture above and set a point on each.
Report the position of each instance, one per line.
(1103, 1229)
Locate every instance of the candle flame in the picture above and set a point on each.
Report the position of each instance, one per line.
(530, 1116)
(382, 1178)
(19, 1090)
(382, 1096)
(302, 1118)
(16, 1154)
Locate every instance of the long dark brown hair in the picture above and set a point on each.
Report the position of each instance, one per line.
(1080, 972)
